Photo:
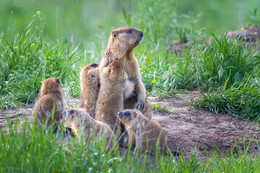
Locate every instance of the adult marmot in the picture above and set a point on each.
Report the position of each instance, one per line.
(78, 118)
(121, 44)
(50, 102)
(89, 84)
(142, 132)
(111, 94)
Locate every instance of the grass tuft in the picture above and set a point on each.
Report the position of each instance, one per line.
(27, 61)
(35, 149)
(240, 100)
(159, 107)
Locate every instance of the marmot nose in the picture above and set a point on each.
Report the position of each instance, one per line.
(141, 34)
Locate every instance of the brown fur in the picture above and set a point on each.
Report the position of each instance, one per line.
(89, 84)
(50, 96)
(142, 132)
(130, 102)
(111, 94)
(77, 118)
(121, 44)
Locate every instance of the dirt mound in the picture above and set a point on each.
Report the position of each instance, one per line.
(250, 36)
(186, 127)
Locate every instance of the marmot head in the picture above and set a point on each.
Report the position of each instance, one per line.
(125, 39)
(50, 86)
(114, 71)
(88, 70)
(130, 117)
(76, 118)
(91, 66)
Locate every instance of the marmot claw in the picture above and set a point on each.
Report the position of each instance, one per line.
(139, 105)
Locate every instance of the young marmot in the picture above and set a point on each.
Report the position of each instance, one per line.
(50, 102)
(121, 44)
(111, 94)
(129, 103)
(142, 132)
(89, 84)
(78, 118)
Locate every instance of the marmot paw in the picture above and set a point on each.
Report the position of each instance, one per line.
(139, 105)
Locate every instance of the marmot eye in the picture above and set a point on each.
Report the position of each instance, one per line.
(127, 114)
(94, 65)
(128, 31)
(70, 112)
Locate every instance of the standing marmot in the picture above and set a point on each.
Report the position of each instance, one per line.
(50, 101)
(121, 44)
(142, 132)
(77, 118)
(111, 94)
(89, 84)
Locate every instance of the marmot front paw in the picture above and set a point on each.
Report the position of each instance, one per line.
(139, 105)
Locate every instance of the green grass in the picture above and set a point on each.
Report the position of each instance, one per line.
(35, 150)
(27, 61)
(240, 100)
(39, 40)
(204, 67)
(159, 107)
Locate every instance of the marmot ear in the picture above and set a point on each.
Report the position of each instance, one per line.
(114, 33)
(58, 81)
(111, 71)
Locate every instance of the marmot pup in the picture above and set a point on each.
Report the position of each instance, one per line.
(129, 103)
(89, 84)
(78, 118)
(50, 102)
(121, 44)
(142, 132)
(111, 94)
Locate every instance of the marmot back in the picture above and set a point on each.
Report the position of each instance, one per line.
(78, 118)
(50, 102)
(142, 132)
(89, 84)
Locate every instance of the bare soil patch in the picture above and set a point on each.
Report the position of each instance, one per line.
(186, 127)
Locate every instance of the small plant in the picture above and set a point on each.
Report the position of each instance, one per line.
(184, 26)
(159, 107)
(253, 18)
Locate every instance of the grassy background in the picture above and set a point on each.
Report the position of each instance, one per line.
(41, 39)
